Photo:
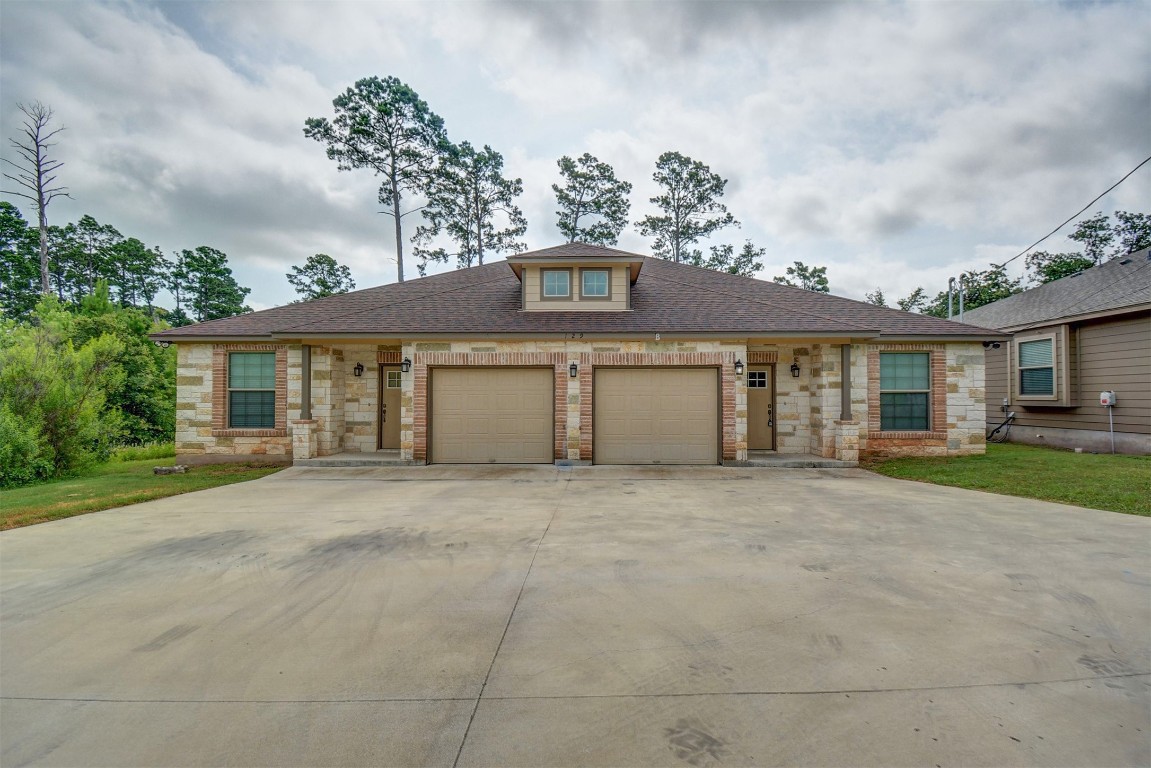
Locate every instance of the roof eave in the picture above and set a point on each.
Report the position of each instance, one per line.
(1114, 312)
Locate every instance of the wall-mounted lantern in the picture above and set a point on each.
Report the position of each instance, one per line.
(406, 365)
(358, 371)
(738, 367)
(573, 370)
(795, 368)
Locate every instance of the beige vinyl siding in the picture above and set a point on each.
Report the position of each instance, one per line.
(619, 290)
(1103, 354)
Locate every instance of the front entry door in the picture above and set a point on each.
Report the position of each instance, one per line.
(761, 408)
(389, 421)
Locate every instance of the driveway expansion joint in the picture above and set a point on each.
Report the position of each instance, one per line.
(511, 615)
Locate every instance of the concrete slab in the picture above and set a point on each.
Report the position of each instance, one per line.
(590, 615)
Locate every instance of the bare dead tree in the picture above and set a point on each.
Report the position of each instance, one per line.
(36, 172)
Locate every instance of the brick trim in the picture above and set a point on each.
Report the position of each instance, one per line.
(585, 410)
(724, 361)
(388, 357)
(762, 358)
(220, 426)
(423, 361)
(938, 363)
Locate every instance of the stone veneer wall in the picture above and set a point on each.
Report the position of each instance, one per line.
(573, 396)
(201, 410)
(361, 397)
(807, 408)
(792, 396)
(958, 408)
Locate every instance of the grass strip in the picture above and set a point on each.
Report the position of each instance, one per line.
(1117, 483)
(115, 484)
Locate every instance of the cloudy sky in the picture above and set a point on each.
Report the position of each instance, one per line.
(895, 143)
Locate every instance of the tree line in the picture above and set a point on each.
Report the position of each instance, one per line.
(468, 205)
(83, 253)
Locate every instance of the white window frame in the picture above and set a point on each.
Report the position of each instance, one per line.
(1056, 368)
(544, 295)
(584, 272)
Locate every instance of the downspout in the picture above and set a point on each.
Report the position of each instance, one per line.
(305, 381)
(845, 389)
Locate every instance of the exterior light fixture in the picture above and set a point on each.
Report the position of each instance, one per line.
(738, 367)
(406, 365)
(573, 370)
(358, 370)
(162, 344)
(795, 369)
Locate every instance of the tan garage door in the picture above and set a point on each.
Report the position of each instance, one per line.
(656, 416)
(492, 415)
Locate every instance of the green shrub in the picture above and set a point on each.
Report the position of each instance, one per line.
(56, 391)
(21, 459)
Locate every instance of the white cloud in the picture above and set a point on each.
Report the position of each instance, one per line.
(898, 143)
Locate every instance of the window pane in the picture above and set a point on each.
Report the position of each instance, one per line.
(757, 379)
(903, 411)
(254, 410)
(557, 283)
(1035, 353)
(595, 283)
(903, 371)
(393, 380)
(252, 370)
(1037, 381)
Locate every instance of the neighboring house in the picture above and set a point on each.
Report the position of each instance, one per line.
(579, 353)
(1071, 340)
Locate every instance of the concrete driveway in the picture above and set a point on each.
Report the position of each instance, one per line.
(595, 616)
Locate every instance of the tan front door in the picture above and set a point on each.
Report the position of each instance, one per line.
(761, 408)
(656, 416)
(492, 415)
(389, 421)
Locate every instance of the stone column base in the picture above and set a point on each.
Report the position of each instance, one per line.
(847, 441)
(304, 439)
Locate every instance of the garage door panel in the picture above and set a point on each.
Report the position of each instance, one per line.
(656, 416)
(491, 415)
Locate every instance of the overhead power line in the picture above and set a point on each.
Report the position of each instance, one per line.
(1072, 217)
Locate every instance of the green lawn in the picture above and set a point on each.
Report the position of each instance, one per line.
(1100, 481)
(115, 484)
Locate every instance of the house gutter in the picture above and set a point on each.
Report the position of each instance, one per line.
(854, 336)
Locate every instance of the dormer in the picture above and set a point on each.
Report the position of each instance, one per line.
(576, 277)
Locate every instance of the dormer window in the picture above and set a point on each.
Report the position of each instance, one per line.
(595, 284)
(557, 283)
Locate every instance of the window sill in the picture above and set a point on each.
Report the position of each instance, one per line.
(249, 432)
(906, 434)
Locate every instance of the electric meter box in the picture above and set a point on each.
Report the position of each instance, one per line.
(1107, 398)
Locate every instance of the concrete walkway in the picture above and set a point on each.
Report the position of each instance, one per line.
(580, 616)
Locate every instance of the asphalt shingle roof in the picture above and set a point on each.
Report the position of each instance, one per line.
(1113, 285)
(667, 298)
